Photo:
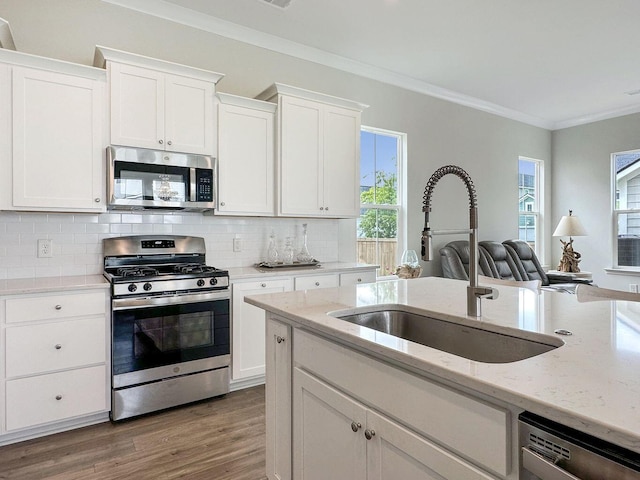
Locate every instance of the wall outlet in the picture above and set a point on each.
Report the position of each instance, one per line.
(45, 248)
(633, 287)
(237, 244)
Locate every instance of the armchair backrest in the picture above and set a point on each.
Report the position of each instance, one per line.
(499, 262)
(454, 258)
(526, 261)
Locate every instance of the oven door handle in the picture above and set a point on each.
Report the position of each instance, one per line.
(543, 468)
(143, 302)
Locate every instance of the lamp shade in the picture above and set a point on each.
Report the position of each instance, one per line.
(569, 226)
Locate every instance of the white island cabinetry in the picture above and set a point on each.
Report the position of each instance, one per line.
(52, 136)
(56, 374)
(318, 153)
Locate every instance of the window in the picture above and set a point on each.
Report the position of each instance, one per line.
(381, 224)
(626, 208)
(529, 202)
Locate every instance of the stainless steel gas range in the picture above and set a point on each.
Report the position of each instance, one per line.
(169, 323)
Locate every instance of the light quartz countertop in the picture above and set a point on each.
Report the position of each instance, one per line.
(21, 286)
(591, 383)
(246, 273)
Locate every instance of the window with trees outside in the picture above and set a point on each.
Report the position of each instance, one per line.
(381, 223)
(626, 209)
(529, 201)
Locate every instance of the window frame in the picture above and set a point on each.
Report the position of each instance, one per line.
(617, 212)
(401, 207)
(537, 206)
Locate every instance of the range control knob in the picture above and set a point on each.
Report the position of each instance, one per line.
(147, 286)
(213, 281)
(201, 283)
(133, 287)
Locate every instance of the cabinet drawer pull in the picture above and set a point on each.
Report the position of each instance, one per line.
(359, 280)
(263, 285)
(97, 200)
(317, 284)
(58, 307)
(58, 346)
(279, 339)
(321, 208)
(356, 426)
(169, 142)
(326, 209)
(58, 397)
(222, 204)
(160, 142)
(369, 434)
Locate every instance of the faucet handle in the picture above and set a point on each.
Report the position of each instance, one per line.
(427, 249)
(487, 292)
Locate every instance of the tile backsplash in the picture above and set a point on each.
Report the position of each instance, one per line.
(77, 239)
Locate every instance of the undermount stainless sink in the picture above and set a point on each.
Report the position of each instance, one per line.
(460, 339)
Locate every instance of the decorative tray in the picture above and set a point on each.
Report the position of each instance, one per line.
(295, 264)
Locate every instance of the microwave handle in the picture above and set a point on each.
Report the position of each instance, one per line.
(192, 184)
(543, 468)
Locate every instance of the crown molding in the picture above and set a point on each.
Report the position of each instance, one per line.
(184, 16)
(595, 117)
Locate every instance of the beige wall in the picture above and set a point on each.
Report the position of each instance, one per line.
(439, 132)
(582, 165)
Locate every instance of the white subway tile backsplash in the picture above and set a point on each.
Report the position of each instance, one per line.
(77, 238)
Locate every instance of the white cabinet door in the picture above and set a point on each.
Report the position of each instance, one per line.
(394, 452)
(278, 400)
(248, 327)
(189, 115)
(57, 141)
(301, 157)
(328, 440)
(355, 278)
(310, 282)
(137, 106)
(245, 161)
(341, 172)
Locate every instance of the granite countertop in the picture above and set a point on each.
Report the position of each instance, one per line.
(590, 383)
(245, 273)
(20, 286)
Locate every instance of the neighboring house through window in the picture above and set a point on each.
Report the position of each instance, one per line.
(626, 208)
(530, 202)
(381, 224)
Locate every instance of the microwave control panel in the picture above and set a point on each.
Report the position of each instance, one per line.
(204, 185)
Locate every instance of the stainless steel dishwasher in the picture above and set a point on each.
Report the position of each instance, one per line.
(550, 451)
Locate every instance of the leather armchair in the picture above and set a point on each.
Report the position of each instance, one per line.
(454, 257)
(499, 262)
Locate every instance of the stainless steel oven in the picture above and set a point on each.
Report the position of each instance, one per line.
(170, 323)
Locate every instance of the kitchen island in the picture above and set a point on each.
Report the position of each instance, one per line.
(590, 383)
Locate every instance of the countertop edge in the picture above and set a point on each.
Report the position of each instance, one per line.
(23, 286)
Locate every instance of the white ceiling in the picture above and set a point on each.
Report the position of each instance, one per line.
(551, 63)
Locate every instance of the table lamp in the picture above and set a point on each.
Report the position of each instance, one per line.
(569, 226)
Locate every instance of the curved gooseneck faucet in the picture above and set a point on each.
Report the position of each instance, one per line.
(474, 292)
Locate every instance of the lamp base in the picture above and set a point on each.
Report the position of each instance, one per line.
(570, 258)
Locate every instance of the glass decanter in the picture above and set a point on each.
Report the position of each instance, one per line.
(287, 253)
(304, 256)
(272, 249)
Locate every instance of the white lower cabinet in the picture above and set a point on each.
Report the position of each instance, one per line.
(360, 443)
(56, 370)
(248, 327)
(310, 282)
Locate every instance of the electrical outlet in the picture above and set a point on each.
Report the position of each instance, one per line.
(45, 248)
(237, 244)
(633, 287)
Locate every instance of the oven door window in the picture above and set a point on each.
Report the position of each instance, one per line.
(156, 336)
(144, 181)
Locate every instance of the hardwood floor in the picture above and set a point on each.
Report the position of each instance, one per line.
(218, 439)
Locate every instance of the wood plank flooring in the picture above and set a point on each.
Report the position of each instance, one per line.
(218, 439)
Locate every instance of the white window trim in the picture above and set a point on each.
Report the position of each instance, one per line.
(539, 203)
(615, 213)
(401, 208)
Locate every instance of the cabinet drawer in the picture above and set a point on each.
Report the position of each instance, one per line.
(316, 281)
(54, 346)
(42, 307)
(471, 427)
(56, 396)
(357, 277)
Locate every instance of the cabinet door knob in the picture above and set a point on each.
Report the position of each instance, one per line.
(317, 284)
(58, 307)
(160, 142)
(97, 200)
(279, 339)
(58, 397)
(58, 346)
(369, 434)
(321, 208)
(222, 204)
(169, 142)
(356, 426)
(359, 280)
(326, 209)
(263, 285)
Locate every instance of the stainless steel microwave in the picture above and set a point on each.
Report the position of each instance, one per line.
(141, 179)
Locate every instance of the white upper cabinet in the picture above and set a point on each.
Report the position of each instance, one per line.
(318, 145)
(245, 156)
(160, 105)
(52, 143)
